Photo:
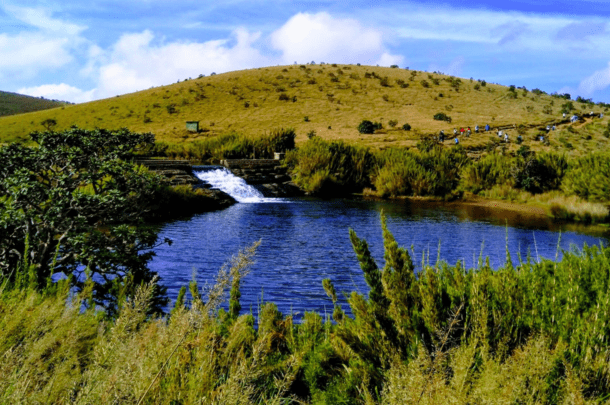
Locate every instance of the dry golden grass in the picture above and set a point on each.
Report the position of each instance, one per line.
(335, 98)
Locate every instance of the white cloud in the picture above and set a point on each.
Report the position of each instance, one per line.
(321, 37)
(42, 18)
(32, 51)
(599, 80)
(50, 45)
(510, 30)
(387, 59)
(61, 91)
(135, 62)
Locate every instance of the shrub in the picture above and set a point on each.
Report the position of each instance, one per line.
(441, 116)
(171, 108)
(306, 118)
(537, 173)
(384, 81)
(424, 83)
(368, 127)
(284, 97)
(311, 134)
(406, 127)
(392, 123)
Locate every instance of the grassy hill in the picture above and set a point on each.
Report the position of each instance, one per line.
(330, 100)
(13, 103)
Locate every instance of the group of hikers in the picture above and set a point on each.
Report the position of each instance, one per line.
(467, 132)
(503, 134)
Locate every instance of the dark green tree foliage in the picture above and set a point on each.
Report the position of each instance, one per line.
(368, 127)
(78, 205)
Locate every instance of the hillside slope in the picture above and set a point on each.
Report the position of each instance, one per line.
(330, 100)
(13, 103)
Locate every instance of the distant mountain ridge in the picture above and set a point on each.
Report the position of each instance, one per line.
(13, 103)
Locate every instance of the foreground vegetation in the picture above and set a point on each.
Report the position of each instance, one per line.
(526, 333)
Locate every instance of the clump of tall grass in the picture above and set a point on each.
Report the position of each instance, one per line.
(484, 174)
(534, 173)
(319, 166)
(432, 172)
(575, 209)
(589, 177)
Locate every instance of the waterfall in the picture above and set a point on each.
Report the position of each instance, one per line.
(222, 179)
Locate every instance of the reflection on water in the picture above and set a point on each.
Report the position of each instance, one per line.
(307, 240)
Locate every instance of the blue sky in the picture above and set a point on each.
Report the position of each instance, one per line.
(86, 50)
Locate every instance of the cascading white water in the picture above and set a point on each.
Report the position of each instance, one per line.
(222, 179)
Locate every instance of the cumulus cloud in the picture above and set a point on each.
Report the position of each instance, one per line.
(46, 44)
(321, 37)
(137, 62)
(61, 91)
(599, 80)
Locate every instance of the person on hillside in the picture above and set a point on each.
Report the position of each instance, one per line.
(456, 140)
(487, 128)
(455, 131)
(462, 131)
(564, 115)
(548, 128)
(506, 137)
(553, 127)
(500, 133)
(519, 139)
(601, 115)
(476, 129)
(441, 136)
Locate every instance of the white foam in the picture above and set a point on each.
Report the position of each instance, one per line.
(222, 179)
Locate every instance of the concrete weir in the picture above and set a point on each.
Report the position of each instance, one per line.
(176, 172)
(267, 174)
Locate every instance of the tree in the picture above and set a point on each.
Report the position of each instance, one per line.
(73, 205)
(49, 124)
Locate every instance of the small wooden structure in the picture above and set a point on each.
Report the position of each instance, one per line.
(192, 126)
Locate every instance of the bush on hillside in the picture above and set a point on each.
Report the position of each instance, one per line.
(368, 127)
(441, 116)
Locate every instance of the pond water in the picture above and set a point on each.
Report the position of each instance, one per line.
(305, 240)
